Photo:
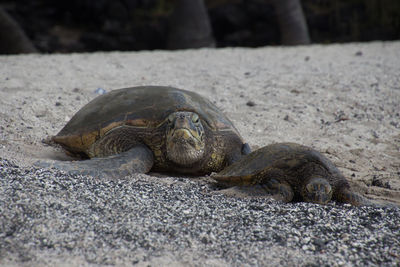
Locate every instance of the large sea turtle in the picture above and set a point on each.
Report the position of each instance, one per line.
(147, 128)
(289, 172)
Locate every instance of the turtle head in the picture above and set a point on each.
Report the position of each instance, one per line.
(317, 190)
(185, 138)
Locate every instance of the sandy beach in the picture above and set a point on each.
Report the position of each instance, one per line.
(343, 100)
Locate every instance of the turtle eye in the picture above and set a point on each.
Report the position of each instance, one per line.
(195, 118)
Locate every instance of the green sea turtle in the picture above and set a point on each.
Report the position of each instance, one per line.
(147, 128)
(289, 172)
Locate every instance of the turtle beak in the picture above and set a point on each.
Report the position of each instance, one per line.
(182, 133)
(184, 128)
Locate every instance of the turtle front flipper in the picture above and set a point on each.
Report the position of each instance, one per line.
(346, 195)
(317, 190)
(138, 159)
(280, 191)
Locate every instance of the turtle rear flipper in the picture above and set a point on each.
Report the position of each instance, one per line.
(246, 149)
(138, 159)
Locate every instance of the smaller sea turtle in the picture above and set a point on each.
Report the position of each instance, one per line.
(145, 128)
(289, 172)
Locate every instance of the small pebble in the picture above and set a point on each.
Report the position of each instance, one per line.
(250, 103)
(100, 91)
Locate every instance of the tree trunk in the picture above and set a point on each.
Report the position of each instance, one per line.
(13, 39)
(190, 26)
(292, 23)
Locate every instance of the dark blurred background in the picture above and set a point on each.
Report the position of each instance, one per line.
(107, 25)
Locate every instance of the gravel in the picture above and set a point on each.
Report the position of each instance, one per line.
(50, 218)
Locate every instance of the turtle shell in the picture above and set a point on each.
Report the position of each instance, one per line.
(288, 157)
(144, 106)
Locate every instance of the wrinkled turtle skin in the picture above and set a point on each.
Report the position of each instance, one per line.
(147, 128)
(289, 172)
